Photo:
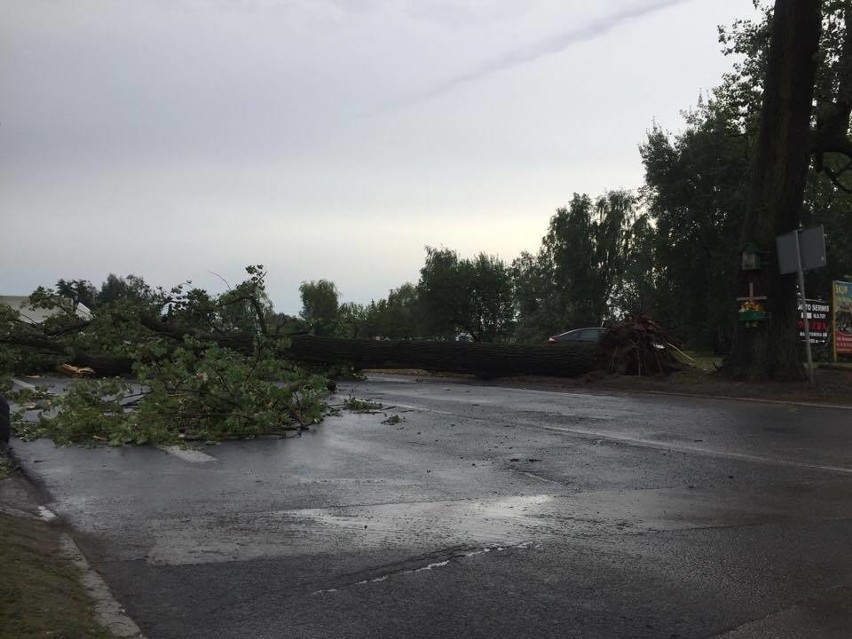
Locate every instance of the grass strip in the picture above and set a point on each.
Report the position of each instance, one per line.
(41, 594)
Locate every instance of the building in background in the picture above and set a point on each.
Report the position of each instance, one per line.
(32, 315)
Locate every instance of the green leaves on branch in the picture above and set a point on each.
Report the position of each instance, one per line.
(361, 405)
(199, 392)
(211, 392)
(205, 368)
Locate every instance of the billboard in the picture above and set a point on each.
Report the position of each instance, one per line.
(818, 321)
(842, 320)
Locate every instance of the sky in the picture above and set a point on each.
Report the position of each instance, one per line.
(185, 139)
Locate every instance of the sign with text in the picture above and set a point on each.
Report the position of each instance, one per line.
(842, 305)
(818, 321)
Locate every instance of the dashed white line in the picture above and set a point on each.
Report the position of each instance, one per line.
(538, 477)
(23, 384)
(46, 514)
(188, 454)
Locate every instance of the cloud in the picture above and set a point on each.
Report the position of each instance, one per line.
(533, 52)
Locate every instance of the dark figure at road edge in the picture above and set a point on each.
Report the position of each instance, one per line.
(5, 423)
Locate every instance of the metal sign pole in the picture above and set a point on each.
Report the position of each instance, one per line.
(804, 309)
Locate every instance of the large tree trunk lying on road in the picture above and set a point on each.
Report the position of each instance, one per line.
(103, 365)
(482, 359)
(485, 360)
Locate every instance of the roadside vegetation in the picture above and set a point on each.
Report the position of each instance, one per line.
(41, 594)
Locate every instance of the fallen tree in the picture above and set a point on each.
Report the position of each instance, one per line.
(121, 337)
(205, 369)
(478, 358)
(186, 366)
(637, 345)
(482, 359)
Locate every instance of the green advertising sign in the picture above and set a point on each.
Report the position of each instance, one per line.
(842, 317)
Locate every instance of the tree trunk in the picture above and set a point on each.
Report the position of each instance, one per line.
(483, 359)
(778, 181)
(479, 358)
(103, 365)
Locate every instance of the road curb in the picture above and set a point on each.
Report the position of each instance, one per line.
(108, 611)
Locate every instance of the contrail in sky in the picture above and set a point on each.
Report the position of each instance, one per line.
(533, 52)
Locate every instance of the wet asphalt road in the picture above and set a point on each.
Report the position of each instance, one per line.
(485, 512)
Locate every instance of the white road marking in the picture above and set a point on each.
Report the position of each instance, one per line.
(188, 454)
(23, 384)
(46, 514)
(534, 476)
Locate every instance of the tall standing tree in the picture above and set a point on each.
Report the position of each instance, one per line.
(78, 291)
(131, 289)
(778, 178)
(567, 256)
(537, 314)
(492, 307)
(474, 296)
(583, 255)
(351, 320)
(400, 315)
(320, 305)
(696, 189)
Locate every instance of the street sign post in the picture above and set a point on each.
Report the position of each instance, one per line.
(806, 246)
(798, 251)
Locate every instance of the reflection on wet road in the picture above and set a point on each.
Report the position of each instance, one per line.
(483, 511)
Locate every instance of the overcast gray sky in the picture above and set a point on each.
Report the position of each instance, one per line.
(323, 138)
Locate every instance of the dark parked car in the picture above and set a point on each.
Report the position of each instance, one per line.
(591, 334)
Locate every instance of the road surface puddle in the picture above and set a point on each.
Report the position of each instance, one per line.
(416, 526)
(509, 520)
